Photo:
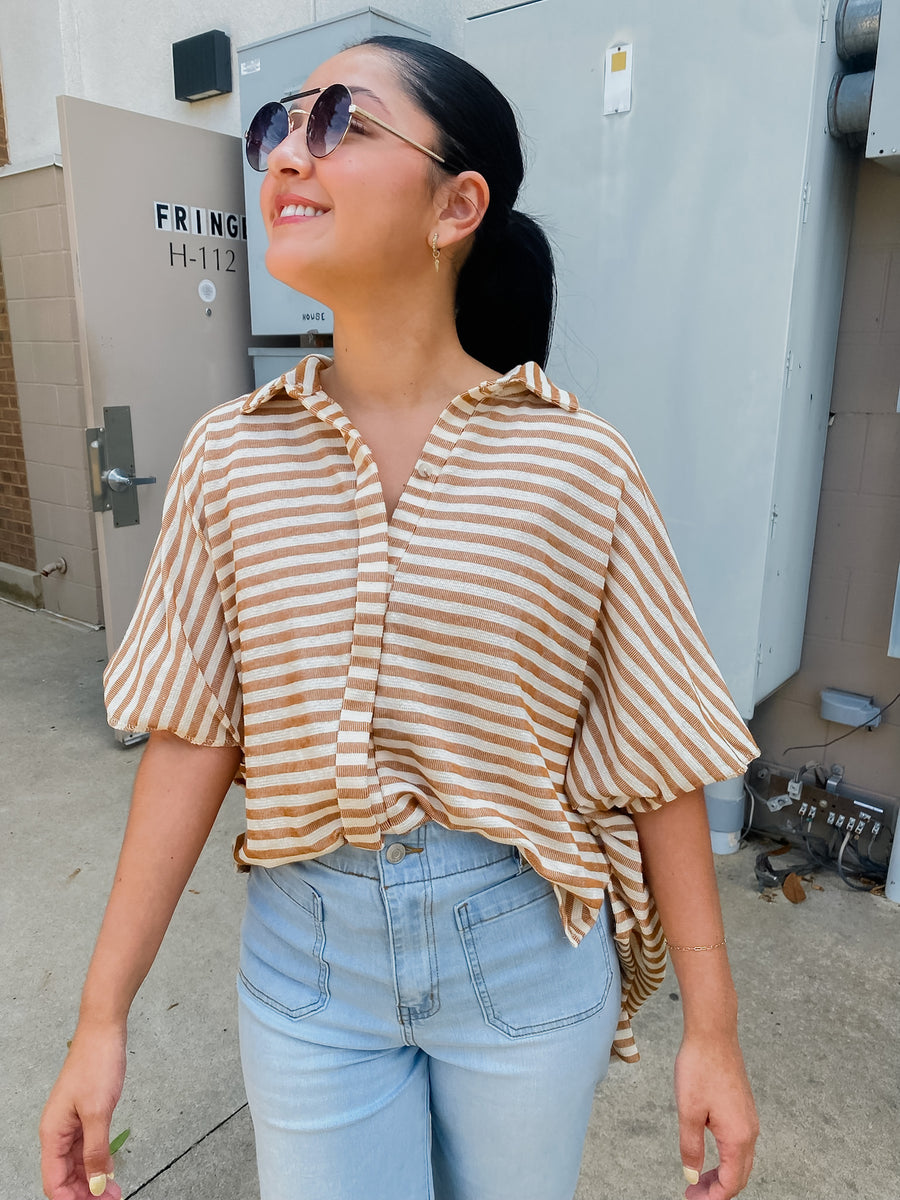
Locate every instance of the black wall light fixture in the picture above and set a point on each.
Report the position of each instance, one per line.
(202, 66)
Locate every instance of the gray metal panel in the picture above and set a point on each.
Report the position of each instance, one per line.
(884, 120)
(894, 643)
(271, 361)
(677, 226)
(826, 213)
(268, 70)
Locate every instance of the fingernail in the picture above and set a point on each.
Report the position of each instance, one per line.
(97, 1184)
(691, 1175)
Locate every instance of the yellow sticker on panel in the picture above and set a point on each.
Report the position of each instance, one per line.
(617, 81)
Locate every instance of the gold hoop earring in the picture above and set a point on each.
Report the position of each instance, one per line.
(435, 253)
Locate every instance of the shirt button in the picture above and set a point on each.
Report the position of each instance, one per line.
(426, 471)
(395, 853)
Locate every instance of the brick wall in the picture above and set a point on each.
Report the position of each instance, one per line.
(46, 352)
(857, 546)
(16, 532)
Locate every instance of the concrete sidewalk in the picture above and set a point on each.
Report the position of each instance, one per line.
(818, 985)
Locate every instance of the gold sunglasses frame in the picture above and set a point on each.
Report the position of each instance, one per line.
(354, 109)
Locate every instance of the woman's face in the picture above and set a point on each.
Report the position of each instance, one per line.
(374, 194)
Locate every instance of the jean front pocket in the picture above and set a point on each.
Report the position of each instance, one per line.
(282, 959)
(528, 976)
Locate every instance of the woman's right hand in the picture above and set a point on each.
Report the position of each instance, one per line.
(75, 1125)
(178, 791)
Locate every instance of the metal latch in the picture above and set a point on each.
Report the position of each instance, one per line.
(110, 452)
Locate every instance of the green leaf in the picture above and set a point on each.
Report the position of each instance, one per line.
(118, 1142)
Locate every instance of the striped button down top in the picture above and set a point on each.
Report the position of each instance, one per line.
(514, 652)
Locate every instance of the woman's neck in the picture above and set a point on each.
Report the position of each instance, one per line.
(403, 362)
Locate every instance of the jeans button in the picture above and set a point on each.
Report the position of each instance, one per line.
(395, 853)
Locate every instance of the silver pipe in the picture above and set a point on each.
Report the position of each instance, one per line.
(856, 26)
(849, 103)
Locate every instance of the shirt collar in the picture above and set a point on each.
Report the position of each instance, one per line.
(303, 381)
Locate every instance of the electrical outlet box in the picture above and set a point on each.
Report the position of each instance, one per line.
(873, 818)
(849, 708)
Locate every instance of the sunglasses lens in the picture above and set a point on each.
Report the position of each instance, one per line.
(269, 127)
(328, 121)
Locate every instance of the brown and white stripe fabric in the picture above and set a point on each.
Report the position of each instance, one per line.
(513, 653)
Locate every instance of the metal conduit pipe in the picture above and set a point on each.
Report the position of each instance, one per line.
(849, 105)
(856, 27)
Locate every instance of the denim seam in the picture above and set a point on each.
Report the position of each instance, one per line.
(312, 907)
(293, 1014)
(506, 912)
(431, 874)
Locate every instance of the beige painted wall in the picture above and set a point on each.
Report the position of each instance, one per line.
(857, 545)
(40, 291)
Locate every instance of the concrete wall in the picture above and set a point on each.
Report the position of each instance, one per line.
(32, 68)
(45, 345)
(858, 532)
(119, 52)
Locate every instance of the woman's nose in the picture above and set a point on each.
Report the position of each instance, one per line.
(291, 154)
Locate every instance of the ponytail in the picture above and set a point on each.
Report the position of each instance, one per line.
(506, 290)
(505, 295)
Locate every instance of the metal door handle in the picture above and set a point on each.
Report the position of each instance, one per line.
(113, 489)
(120, 482)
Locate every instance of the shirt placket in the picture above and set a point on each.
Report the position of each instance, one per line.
(413, 503)
(357, 791)
(415, 499)
(381, 548)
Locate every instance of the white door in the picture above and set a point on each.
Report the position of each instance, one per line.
(156, 222)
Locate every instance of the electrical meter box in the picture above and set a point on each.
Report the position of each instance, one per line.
(269, 70)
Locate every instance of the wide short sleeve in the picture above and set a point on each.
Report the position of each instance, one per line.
(175, 670)
(657, 719)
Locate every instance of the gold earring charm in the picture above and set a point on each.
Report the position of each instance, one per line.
(435, 253)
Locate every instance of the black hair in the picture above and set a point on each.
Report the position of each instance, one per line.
(506, 291)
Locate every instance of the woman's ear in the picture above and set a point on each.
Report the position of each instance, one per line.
(461, 204)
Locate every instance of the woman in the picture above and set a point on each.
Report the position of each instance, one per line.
(424, 605)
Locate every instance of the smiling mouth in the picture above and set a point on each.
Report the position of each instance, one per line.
(302, 210)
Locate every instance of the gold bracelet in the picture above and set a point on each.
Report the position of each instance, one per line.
(714, 946)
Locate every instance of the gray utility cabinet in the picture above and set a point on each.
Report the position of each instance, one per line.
(883, 134)
(702, 224)
(269, 70)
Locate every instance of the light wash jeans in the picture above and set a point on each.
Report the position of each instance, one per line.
(415, 1025)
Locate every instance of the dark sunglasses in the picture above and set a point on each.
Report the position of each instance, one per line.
(327, 122)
